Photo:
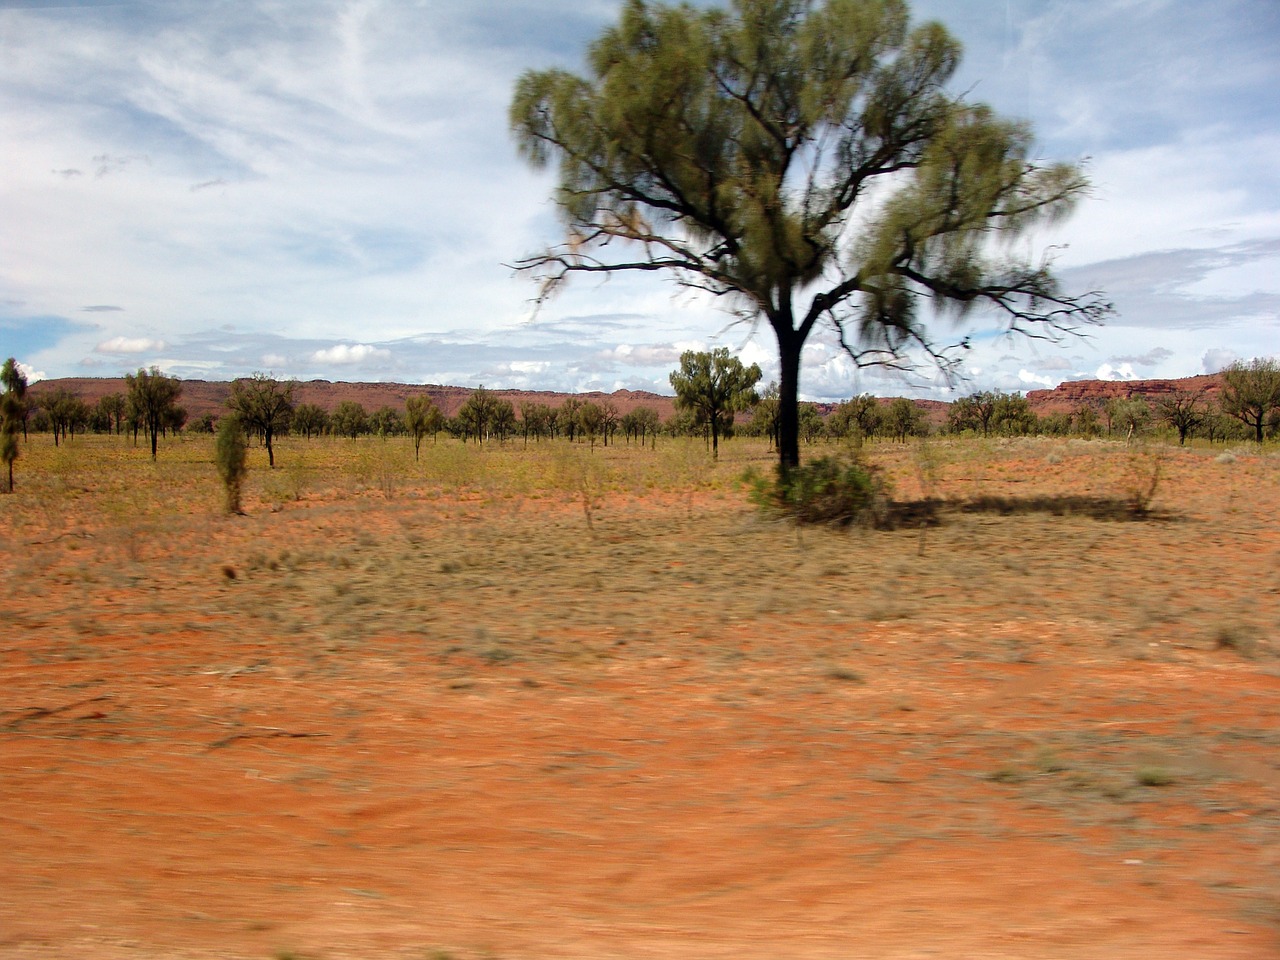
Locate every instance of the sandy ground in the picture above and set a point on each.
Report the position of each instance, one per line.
(421, 722)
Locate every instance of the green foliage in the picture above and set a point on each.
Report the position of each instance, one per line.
(713, 387)
(856, 418)
(230, 456)
(12, 413)
(829, 490)
(349, 419)
(729, 149)
(484, 416)
(421, 417)
(66, 413)
(152, 403)
(1129, 415)
(309, 419)
(1251, 393)
(904, 419)
(810, 422)
(387, 422)
(264, 406)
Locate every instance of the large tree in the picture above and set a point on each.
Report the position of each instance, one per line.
(1251, 392)
(713, 387)
(264, 406)
(802, 161)
(152, 403)
(12, 412)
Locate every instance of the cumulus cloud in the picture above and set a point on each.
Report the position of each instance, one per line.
(1029, 378)
(1123, 371)
(1216, 360)
(129, 345)
(349, 354)
(31, 373)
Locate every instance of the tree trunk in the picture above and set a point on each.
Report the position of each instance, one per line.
(789, 345)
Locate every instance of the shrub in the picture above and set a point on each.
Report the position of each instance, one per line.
(834, 490)
(230, 456)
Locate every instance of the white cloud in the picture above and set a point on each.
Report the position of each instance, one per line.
(1027, 377)
(129, 345)
(314, 174)
(31, 373)
(1123, 371)
(643, 355)
(345, 354)
(1215, 361)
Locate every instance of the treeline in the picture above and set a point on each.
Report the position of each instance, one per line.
(1246, 408)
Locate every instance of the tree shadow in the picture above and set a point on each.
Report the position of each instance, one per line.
(931, 513)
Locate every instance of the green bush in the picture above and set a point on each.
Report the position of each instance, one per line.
(230, 456)
(832, 490)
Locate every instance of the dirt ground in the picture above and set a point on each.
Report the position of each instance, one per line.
(408, 713)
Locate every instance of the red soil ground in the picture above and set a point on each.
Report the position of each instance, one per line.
(360, 728)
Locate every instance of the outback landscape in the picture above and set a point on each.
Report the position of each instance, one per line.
(553, 700)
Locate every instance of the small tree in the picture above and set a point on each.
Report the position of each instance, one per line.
(349, 419)
(590, 421)
(386, 422)
(714, 386)
(1183, 410)
(1013, 415)
(231, 457)
(502, 423)
(112, 407)
(1251, 392)
(476, 415)
(904, 419)
(1130, 414)
(567, 417)
(422, 416)
(856, 418)
(63, 409)
(12, 413)
(152, 402)
(309, 419)
(811, 422)
(1086, 419)
(264, 406)
(974, 412)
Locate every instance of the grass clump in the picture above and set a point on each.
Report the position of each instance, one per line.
(839, 491)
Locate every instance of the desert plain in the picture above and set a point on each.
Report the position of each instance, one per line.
(547, 701)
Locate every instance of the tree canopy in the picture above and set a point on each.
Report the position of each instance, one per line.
(152, 401)
(12, 413)
(714, 386)
(1251, 392)
(802, 161)
(264, 406)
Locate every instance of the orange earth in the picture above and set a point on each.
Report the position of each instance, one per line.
(411, 719)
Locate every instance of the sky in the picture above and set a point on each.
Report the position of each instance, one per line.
(329, 190)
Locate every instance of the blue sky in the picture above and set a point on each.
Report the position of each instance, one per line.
(328, 190)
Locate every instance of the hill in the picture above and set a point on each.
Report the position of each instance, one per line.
(210, 396)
